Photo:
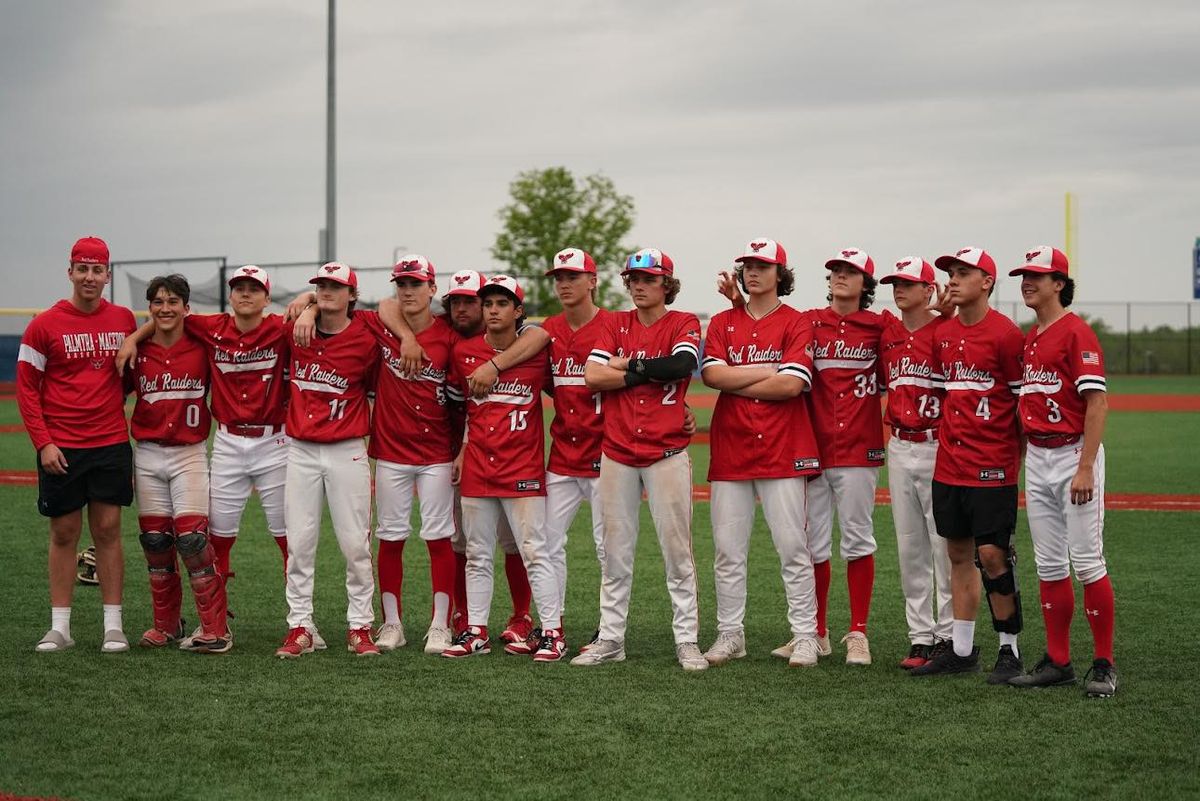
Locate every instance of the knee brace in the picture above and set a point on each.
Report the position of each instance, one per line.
(1004, 584)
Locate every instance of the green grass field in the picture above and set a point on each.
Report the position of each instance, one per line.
(170, 725)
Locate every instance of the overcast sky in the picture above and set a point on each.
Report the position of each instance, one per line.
(197, 129)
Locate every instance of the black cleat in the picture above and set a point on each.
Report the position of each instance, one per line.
(1046, 673)
(1008, 666)
(917, 656)
(949, 662)
(1101, 680)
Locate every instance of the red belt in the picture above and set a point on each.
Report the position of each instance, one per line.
(242, 430)
(1054, 440)
(924, 435)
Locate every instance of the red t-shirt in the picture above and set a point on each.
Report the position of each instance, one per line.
(847, 416)
(979, 441)
(1061, 363)
(68, 389)
(411, 422)
(506, 444)
(914, 381)
(329, 383)
(644, 424)
(171, 384)
(247, 369)
(577, 431)
(754, 438)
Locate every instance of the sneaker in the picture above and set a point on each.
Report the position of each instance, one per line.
(204, 643)
(1008, 666)
(458, 623)
(1101, 680)
(858, 650)
(551, 646)
(940, 647)
(473, 640)
(297, 642)
(602, 651)
(518, 629)
(156, 638)
(54, 641)
(805, 652)
(917, 656)
(526, 646)
(114, 642)
(587, 646)
(1046, 673)
(824, 648)
(690, 658)
(948, 662)
(390, 637)
(358, 642)
(729, 645)
(437, 639)
(785, 651)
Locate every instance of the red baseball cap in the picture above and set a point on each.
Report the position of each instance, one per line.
(1043, 260)
(506, 283)
(90, 250)
(970, 256)
(911, 268)
(649, 261)
(256, 274)
(413, 266)
(465, 282)
(572, 260)
(856, 258)
(338, 273)
(767, 250)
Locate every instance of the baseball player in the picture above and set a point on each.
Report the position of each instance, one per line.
(503, 475)
(327, 418)
(914, 409)
(73, 406)
(643, 362)
(760, 357)
(1063, 408)
(978, 353)
(170, 424)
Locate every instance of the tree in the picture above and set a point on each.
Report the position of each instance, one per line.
(551, 210)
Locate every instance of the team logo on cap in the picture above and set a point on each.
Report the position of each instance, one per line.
(496, 279)
(250, 270)
(848, 253)
(331, 268)
(757, 246)
(963, 251)
(461, 279)
(566, 256)
(1033, 254)
(409, 266)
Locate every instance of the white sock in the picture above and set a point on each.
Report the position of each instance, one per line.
(391, 609)
(112, 617)
(1010, 639)
(60, 620)
(441, 609)
(964, 637)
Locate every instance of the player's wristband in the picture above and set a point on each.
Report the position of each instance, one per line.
(492, 361)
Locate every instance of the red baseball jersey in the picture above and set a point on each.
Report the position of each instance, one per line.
(753, 438)
(171, 384)
(329, 383)
(246, 368)
(847, 415)
(914, 380)
(644, 424)
(68, 389)
(1061, 363)
(577, 431)
(979, 442)
(506, 444)
(411, 421)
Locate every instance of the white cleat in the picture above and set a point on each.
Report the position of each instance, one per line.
(690, 658)
(785, 651)
(390, 637)
(605, 651)
(805, 653)
(824, 647)
(858, 650)
(437, 639)
(729, 645)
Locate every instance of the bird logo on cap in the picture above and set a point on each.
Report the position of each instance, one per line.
(1033, 254)
(331, 268)
(757, 246)
(496, 279)
(250, 270)
(963, 251)
(566, 256)
(848, 253)
(409, 266)
(461, 279)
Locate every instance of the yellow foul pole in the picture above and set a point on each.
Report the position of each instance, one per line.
(1069, 234)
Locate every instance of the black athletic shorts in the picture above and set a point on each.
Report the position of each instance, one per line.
(988, 514)
(102, 474)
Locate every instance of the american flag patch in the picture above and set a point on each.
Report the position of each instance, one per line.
(1090, 357)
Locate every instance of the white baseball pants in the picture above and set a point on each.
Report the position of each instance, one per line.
(239, 466)
(171, 480)
(1064, 534)
(851, 490)
(668, 485)
(337, 472)
(527, 518)
(783, 502)
(458, 540)
(924, 565)
(564, 494)
(394, 487)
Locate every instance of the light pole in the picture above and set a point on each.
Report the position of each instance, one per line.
(329, 240)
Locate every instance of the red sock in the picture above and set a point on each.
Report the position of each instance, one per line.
(1058, 607)
(860, 579)
(460, 584)
(1098, 603)
(221, 548)
(391, 569)
(518, 583)
(822, 572)
(281, 543)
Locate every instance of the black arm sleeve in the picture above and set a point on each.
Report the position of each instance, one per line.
(633, 379)
(665, 368)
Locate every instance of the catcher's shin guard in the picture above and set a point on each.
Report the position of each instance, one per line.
(1004, 584)
(166, 592)
(207, 585)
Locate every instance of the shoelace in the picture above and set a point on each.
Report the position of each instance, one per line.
(462, 637)
(1099, 672)
(546, 642)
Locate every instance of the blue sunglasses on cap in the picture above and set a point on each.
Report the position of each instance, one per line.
(642, 260)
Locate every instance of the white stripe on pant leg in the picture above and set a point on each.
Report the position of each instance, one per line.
(913, 547)
(563, 498)
(783, 502)
(348, 484)
(732, 507)
(854, 497)
(305, 495)
(527, 517)
(1047, 518)
(669, 490)
(820, 519)
(621, 496)
(480, 518)
(394, 485)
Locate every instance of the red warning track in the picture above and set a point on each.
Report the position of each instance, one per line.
(1116, 403)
